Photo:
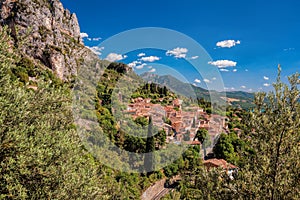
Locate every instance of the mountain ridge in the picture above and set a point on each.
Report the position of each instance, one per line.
(234, 98)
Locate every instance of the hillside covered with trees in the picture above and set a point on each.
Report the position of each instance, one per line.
(44, 156)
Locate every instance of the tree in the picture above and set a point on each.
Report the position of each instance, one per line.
(272, 161)
(143, 121)
(150, 148)
(224, 149)
(160, 138)
(273, 132)
(201, 135)
(194, 123)
(41, 156)
(186, 136)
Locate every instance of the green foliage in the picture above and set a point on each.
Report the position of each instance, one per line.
(160, 139)
(224, 149)
(143, 121)
(201, 135)
(186, 136)
(268, 152)
(272, 172)
(41, 156)
(40, 153)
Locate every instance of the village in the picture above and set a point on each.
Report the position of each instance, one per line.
(178, 121)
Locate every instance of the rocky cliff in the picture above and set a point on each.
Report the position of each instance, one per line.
(47, 33)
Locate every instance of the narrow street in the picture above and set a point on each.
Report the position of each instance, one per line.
(160, 189)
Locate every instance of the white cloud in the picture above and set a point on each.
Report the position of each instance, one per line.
(96, 50)
(267, 84)
(223, 63)
(289, 49)
(152, 70)
(246, 70)
(243, 87)
(150, 58)
(141, 66)
(141, 54)
(250, 90)
(84, 35)
(235, 70)
(197, 81)
(214, 78)
(266, 78)
(96, 39)
(177, 52)
(206, 80)
(112, 57)
(194, 84)
(224, 70)
(228, 43)
(232, 88)
(194, 57)
(134, 63)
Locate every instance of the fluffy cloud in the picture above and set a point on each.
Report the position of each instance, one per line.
(134, 63)
(235, 70)
(226, 88)
(243, 87)
(266, 78)
(177, 52)
(150, 58)
(141, 54)
(267, 84)
(152, 70)
(194, 57)
(206, 80)
(96, 39)
(84, 35)
(141, 66)
(96, 50)
(224, 70)
(112, 57)
(228, 43)
(289, 49)
(194, 84)
(223, 63)
(197, 81)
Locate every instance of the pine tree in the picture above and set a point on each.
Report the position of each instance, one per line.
(150, 148)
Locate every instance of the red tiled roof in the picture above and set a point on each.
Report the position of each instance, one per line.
(218, 163)
(193, 142)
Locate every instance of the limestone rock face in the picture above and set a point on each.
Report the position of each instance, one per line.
(51, 33)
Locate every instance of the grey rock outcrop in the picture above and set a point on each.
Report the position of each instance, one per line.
(51, 34)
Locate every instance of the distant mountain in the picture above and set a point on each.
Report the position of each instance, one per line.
(234, 98)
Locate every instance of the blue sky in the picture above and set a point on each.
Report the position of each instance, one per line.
(254, 36)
